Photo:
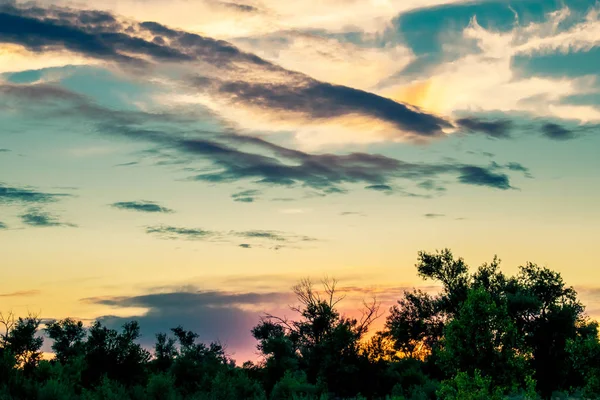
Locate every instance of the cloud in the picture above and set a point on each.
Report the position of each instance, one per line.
(91, 33)
(127, 164)
(4, 150)
(380, 188)
(498, 129)
(231, 77)
(557, 132)
(172, 232)
(141, 206)
(38, 218)
(431, 185)
(3, 226)
(235, 157)
(432, 215)
(483, 177)
(192, 296)
(515, 166)
(21, 293)
(26, 195)
(239, 7)
(473, 54)
(246, 196)
(215, 316)
(349, 213)
(260, 238)
(316, 102)
(274, 235)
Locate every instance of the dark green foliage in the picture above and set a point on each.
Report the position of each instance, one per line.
(483, 335)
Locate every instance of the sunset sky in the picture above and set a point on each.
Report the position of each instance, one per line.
(186, 162)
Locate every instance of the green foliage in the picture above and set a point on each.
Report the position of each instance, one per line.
(484, 335)
(161, 387)
(294, 387)
(469, 387)
(483, 338)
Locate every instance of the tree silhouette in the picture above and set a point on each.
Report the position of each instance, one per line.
(482, 335)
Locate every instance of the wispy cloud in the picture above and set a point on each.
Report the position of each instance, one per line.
(557, 132)
(237, 157)
(142, 206)
(352, 213)
(173, 232)
(260, 238)
(434, 215)
(498, 129)
(21, 293)
(38, 218)
(26, 195)
(483, 177)
(246, 196)
(380, 188)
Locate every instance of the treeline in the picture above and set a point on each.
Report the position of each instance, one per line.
(484, 335)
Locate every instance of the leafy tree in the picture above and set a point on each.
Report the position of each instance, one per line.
(68, 336)
(322, 343)
(20, 339)
(115, 355)
(482, 337)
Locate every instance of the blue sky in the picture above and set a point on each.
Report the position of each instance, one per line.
(183, 163)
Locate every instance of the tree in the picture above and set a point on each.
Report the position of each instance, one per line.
(482, 337)
(415, 325)
(68, 336)
(322, 343)
(115, 355)
(21, 340)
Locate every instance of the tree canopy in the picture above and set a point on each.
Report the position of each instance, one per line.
(482, 335)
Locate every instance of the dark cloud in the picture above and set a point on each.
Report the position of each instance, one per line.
(24, 195)
(3, 226)
(511, 166)
(38, 218)
(172, 232)
(274, 235)
(21, 293)
(178, 298)
(498, 129)
(433, 215)
(483, 177)
(141, 206)
(91, 33)
(244, 199)
(557, 132)
(215, 316)
(245, 246)
(515, 166)
(246, 196)
(380, 188)
(319, 100)
(261, 238)
(101, 35)
(4, 150)
(236, 157)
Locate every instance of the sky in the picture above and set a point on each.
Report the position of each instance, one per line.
(183, 162)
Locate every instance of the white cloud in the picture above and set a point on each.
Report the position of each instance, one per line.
(487, 82)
